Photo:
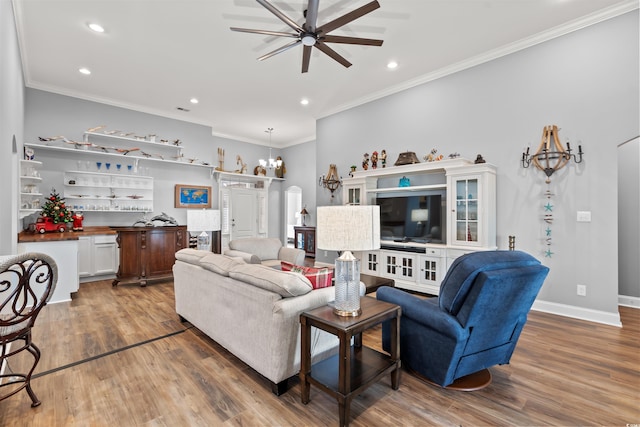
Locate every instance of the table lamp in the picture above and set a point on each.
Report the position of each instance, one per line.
(345, 229)
(419, 216)
(304, 214)
(203, 220)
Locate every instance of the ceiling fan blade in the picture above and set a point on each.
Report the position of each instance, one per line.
(312, 16)
(306, 57)
(351, 40)
(284, 18)
(332, 53)
(264, 32)
(279, 50)
(351, 16)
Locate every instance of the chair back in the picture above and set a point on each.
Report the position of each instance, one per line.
(497, 305)
(27, 282)
(465, 269)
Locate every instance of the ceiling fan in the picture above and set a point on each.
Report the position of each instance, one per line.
(309, 35)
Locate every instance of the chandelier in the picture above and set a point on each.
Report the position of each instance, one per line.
(271, 163)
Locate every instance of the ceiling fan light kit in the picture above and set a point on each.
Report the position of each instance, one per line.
(308, 35)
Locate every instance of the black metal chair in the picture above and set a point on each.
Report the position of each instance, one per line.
(27, 282)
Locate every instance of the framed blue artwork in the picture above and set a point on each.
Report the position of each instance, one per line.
(192, 196)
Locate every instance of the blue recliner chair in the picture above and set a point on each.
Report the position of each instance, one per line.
(476, 321)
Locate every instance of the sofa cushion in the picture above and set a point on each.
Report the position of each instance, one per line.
(262, 247)
(284, 283)
(220, 264)
(192, 256)
(319, 277)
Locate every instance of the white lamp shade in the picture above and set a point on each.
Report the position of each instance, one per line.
(348, 228)
(203, 220)
(419, 215)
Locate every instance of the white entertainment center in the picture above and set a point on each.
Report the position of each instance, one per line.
(467, 218)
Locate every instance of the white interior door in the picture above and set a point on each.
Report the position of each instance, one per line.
(244, 213)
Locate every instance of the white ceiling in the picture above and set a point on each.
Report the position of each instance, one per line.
(157, 54)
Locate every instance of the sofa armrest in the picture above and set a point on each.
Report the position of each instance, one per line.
(423, 312)
(246, 256)
(292, 255)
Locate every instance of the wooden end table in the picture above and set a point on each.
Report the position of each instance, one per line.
(356, 367)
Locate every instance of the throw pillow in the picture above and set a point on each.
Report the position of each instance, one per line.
(319, 277)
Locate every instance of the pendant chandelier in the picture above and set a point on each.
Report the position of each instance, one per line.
(271, 163)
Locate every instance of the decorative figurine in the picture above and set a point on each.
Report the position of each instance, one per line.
(479, 159)
(220, 159)
(243, 166)
(281, 169)
(431, 157)
(365, 161)
(374, 160)
(77, 221)
(454, 155)
(259, 171)
(353, 169)
(383, 158)
(29, 154)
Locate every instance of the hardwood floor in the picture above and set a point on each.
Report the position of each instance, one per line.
(120, 357)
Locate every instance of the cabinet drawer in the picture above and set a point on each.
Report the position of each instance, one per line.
(107, 238)
(434, 252)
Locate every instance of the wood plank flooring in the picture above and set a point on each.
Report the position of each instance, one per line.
(120, 357)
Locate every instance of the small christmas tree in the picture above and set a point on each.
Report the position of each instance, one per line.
(55, 208)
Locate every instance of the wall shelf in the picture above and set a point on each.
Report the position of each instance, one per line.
(30, 195)
(411, 188)
(131, 155)
(108, 192)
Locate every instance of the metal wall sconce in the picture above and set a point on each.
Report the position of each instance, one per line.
(551, 155)
(331, 180)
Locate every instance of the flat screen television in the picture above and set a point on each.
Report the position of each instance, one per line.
(412, 218)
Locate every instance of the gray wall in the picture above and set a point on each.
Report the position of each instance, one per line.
(301, 171)
(11, 124)
(585, 82)
(49, 114)
(628, 210)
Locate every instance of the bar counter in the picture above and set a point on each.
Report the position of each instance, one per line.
(56, 236)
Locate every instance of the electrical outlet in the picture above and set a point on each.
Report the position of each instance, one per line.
(584, 216)
(581, 290)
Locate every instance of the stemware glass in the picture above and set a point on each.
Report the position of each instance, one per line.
(99, 165)
(107, 165)
(118, 166)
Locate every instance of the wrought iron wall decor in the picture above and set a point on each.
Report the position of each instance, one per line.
(331, 180)
(551, 155)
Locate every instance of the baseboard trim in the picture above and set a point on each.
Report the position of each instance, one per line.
(581, 313)
(627, 301)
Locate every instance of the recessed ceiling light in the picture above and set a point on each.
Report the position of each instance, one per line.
(391, 65)
(96, 27)
(194, 100)
(304, 101)
(84, 71)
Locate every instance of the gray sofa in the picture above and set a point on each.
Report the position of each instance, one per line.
(251, 310)
(264, 250)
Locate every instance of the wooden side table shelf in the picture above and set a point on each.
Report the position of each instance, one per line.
(356, 367)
